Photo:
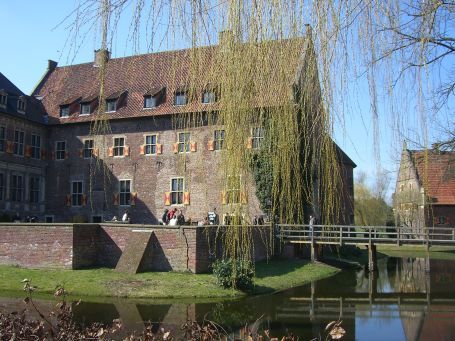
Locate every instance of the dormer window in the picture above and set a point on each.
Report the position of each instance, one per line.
(111, 105)
(181, 98)
(3, 99)
(21, 105)
(85, 108)
(208, 96)
(149, 102)
(154, 97)
(64, 111)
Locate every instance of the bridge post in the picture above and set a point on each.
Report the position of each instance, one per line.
(372, 286)
(372, 257)
(314, 251)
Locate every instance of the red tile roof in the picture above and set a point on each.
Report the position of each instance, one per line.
(436, 173)
(144, 74)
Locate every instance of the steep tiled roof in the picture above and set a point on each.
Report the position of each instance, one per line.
(436, 173)
(146, 74)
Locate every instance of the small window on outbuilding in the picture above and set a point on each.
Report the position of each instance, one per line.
(64, 111)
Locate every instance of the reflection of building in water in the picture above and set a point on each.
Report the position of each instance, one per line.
(411, 275)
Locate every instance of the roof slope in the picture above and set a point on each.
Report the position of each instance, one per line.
(172, 70)
(436, 173)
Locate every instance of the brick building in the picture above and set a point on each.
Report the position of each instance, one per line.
(425, 189)
(146, 161)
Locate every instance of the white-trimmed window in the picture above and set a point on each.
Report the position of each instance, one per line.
(125, 192)
(208, 96)
(85, 109)
(257, 136)
(64, 111)
(16, 187)
(233, 190)
(2, 185)
(18, 145)
(60, 150)
(177, 191)
(2, 138)
(111, 105)
(21, 105)
(150, 101)
(119, 146)
(184, 142)
(88, 148)
(218, 138)
(150, 144)
(76, 193)
(34, 189)
(181, 98)
(3, 99)
(36, 147)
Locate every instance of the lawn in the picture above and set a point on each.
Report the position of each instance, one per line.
(273, 276)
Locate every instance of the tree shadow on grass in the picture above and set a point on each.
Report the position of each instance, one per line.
(278, 267)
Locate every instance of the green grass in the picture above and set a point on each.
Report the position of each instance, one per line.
(274, 276)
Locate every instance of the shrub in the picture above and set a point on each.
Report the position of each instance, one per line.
(238, 273)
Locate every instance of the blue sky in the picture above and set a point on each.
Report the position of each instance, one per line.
(32, 35)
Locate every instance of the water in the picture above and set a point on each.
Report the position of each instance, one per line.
(403, 302)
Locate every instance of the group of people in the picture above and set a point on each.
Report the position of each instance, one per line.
(172, 218)
(125, 217)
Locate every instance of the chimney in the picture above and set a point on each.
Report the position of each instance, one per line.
(51, 65)
(100, 56)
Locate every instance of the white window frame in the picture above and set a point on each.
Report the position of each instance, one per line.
(211, 96)
(21, 105)
(85, 105)
(36, 148)
(257, 139)
(16, 189)
(60, 150)
(3, 100)
(150, 146)
(175, 194)
(122, 148)
(179, 95)
(18, 146)
(110, 101)
(233, 193)
(219, 142)
(77, 195)
(153, 100)
(64, 111)
(185, 145)
(90, 150)
(128, 202)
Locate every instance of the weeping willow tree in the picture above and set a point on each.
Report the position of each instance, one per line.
(273, 73)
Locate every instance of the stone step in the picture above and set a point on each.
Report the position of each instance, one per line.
(137, 253)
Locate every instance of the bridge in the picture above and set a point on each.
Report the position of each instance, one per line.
(369, 236)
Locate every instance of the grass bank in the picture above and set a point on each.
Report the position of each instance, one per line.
(273, 276)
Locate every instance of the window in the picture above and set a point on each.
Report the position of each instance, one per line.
(125, 192)
(49, 219)
(150, 144)
(219, 139)
(208, 96)
(88, 149)
(233, 190)
(181, 98)
(2, 186)
(3, 98)
(36, 146)
(65, 111)
(21, 105)
(2, 139)
(111, 105)
(257, 135)
(18, 142)
(149, 102)
(60, 150)
(119, 145)
(184, 142)
(85, 108)
(16, 188)
(177, 186)
(76, 193)
(34, 189)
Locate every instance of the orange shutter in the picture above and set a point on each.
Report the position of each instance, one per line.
(175, 148)
(9, 147)
(111, 151)
(84, 200)
(133, 199)
(28, 151)
(43, 154)
(67, 154)
(68, 200)
(116, 198)
(243, 197)
(167, 198)
(142, 149)
(126, 151)
(159, 148)
(211, 145)
(96, 152)
(186, 198)
(81, 153)
(249, 144)
(193, 146)
(223, 197)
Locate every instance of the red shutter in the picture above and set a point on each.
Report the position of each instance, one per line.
(126, 151)
(142, 149)
(28, 151)
(186, 198)
(249, 143)
(175, 148)
(223, 197)
(193, 146)
(211, 145)
(159, 148)
(68, 200)
(111, 151)
(81, 153)
(9, 147)
(167, 198)
(133, 198)
(243, 197)
(84, 200)
(116, 198)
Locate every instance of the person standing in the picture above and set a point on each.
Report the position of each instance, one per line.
(311, 225)
(165, 217)
(126, 217)
(213, 217)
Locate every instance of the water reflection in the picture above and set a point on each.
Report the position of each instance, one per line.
(402, 301)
